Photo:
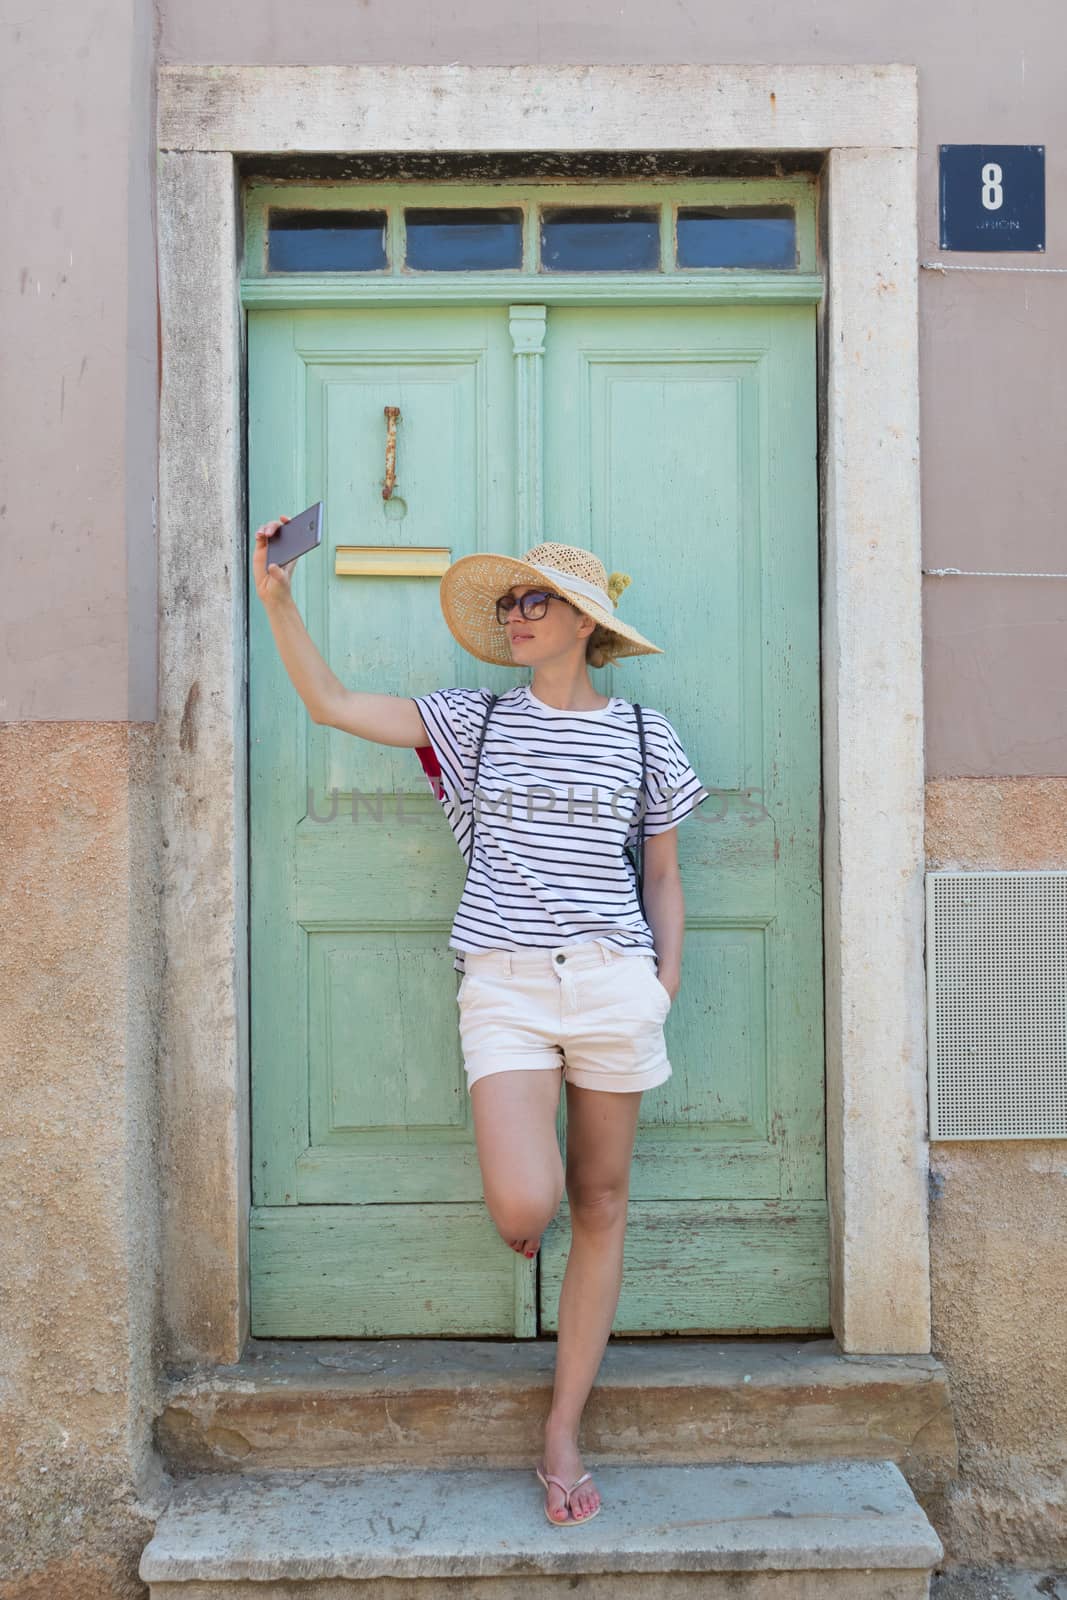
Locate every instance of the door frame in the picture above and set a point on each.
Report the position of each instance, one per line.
(861, 122)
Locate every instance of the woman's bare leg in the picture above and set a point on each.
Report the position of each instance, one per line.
(601, 1128)
(518, 1152)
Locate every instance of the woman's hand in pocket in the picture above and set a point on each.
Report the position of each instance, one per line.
(671, 981)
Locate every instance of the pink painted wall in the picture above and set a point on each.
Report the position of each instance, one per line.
(78, 373)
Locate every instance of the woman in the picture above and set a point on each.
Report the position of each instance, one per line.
(559, 963)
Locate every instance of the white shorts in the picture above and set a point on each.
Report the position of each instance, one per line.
(593, 1012)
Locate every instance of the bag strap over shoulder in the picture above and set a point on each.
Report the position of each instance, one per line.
(638, 856)
(493, 698)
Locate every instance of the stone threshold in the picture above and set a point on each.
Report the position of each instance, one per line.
(443, 1403)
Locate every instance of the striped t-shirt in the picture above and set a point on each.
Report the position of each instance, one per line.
(548, 864)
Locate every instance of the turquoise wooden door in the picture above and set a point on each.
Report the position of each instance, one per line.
(679, 442)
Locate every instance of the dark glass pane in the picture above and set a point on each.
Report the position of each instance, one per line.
(451, 239)
(599, 239)
(326, 241)
(737, 236)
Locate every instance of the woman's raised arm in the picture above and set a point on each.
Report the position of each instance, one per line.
(382, 718)
(385, 718)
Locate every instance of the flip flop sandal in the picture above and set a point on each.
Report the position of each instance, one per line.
(572, 1521)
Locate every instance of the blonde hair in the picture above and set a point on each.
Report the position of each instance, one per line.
(603, 645)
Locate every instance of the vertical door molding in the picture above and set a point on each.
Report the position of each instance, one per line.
(526, 324)
(874, 860)
(204, 583)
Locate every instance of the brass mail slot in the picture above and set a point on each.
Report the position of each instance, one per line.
(391, 560)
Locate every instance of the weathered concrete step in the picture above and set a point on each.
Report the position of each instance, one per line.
(452, 1403)
(834, 1530)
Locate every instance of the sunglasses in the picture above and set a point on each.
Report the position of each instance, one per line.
(532, 605)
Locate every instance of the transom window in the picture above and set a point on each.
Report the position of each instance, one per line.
(462, 239)
(326, 241)
(600, 239)
(590, 232)
(737, 236)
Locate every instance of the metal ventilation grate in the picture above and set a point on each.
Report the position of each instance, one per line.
(996, 988)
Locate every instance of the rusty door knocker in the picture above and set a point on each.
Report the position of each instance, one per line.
(392, 416)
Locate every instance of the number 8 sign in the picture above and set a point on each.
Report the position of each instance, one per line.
(992, 196)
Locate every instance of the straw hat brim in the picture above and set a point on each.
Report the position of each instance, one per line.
(473, 584)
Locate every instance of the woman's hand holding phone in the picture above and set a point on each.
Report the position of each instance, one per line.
(272, 581)
(295, 537)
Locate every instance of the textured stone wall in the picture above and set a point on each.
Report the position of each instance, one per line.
(79, 1291)
(998, 1245)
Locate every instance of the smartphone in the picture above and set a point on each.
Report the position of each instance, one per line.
(296, 537)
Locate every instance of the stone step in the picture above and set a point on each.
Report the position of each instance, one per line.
(818, 1530)
(403, 1403)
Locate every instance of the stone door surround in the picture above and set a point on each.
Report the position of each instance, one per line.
(862, 122)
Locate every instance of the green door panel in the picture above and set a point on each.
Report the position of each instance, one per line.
(681, 446)
(361, 1128)
(332, 1269)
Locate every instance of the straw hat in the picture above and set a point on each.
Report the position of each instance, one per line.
(473, 584)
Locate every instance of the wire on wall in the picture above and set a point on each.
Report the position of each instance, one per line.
(973, 266)
(961, 572)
